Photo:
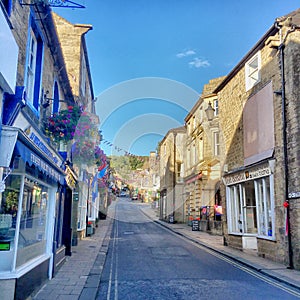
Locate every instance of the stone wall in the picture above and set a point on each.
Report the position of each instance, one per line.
(232, 99)
(292, 83)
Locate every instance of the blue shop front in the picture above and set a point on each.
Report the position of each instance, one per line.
(30, 186)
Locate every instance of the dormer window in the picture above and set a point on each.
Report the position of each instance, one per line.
(252, 71)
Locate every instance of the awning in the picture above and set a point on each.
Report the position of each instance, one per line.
(33, 158)
(15, 142)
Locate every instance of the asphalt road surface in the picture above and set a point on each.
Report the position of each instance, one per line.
(146, 261)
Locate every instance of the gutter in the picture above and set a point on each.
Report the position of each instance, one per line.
(258, 46)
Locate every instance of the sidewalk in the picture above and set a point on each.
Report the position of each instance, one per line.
(79, 277)
(248, 258)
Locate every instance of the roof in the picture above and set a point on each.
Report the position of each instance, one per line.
(292, 18)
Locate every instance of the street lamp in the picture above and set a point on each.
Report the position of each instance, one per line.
(209, 112)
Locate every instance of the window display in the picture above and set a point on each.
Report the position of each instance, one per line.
(33, 221)
(251, 208)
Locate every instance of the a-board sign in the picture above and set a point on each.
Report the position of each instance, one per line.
(195, 225)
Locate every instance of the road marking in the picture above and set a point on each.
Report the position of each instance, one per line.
(117, 261)
(113, 258)
(246, 269)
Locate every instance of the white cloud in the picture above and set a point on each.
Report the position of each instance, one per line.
(199, 63)
(185, 53)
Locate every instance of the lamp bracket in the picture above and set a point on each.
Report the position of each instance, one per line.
(53, 3)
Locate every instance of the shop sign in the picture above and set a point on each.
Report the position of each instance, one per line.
(43, 166)
(294, 195)
(247, 175)
(37, 141)
(22, 123)
(70, 179)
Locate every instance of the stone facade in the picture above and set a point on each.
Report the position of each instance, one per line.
(74, 49)
(72, 41)
(171, 152)
(258, 157)
(255, 157)
(202, 161)
(40, 68)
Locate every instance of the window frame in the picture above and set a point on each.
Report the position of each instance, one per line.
(250, 70)
(216, 107)
(34, 61)
(216, 145)
(235, 195)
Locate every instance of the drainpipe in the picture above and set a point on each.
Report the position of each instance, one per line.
(285, 151)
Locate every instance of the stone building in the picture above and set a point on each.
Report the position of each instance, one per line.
(34, 237)
(259, 121)
(154, 175)
(202, 162)
(171, 153)
(74, 48)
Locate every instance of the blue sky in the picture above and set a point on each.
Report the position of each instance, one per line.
(150, 59)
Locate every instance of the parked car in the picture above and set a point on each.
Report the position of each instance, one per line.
(134, 197)
(123, 194)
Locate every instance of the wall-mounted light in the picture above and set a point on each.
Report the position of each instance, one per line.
(209, 112)
(47, 101)
(278, 92)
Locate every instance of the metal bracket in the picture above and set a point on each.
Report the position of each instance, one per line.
(54, 3)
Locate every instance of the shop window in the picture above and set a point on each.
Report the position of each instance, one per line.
(264, 207)
(33, 66)
(218, 204)
(9, 207)
(32, 235)
(250, 208)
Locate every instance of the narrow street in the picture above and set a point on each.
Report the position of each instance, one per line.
(146, 261)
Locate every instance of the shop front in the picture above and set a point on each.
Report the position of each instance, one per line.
(29, 189)
(250, 205)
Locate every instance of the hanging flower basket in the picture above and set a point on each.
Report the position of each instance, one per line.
(62, 125)
(86, 153)
(100, 158)
(83, 153)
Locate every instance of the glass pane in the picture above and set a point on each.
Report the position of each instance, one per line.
(249, 209)
(233, 209)
(8, 220)
(261, 206)
(32, 239)
(268, 206)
